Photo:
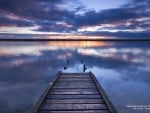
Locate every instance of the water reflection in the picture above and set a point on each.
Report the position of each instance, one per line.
(35, 48)
(122, 68)
(76, 44)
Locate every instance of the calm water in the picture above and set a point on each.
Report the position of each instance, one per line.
(26, 68)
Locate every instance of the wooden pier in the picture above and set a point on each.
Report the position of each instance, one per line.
(74, 93)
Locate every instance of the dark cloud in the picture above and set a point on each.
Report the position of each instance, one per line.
(135, 24)
(21, 7)
(52, 1)
(36, 10)
(46, 14)
(139, 5)
(93, 18)
(120, 17)
(120, 34)
(52, 28)
(20, 22)
(42, 13)
(55, 28)
(41, 9)
(106, 16)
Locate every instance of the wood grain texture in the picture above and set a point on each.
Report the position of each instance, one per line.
(74, 93)
(77, 111)
(75, 76)
(74, 80)
(74, 86)
(77, 101)
(73, 96)
(73, 107)
(74, 89)
(74, 83)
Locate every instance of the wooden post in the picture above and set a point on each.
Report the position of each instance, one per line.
(84, 68)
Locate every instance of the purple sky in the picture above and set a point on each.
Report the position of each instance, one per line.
(110, 18)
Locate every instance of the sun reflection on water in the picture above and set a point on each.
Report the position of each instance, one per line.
(35, 48)
(75, 44)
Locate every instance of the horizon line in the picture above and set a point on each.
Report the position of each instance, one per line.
(28, 40)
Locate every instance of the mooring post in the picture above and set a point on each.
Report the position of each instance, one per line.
(84, 68)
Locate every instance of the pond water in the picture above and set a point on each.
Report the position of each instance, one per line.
(122, 68)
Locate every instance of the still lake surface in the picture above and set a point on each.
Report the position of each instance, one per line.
(122, 68)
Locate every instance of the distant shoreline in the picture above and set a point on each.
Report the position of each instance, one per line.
(32, 40)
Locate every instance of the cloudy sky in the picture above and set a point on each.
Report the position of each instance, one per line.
(114, 18)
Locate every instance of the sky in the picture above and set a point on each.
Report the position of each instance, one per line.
(110, 18)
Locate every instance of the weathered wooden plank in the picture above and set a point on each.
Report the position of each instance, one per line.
(75, 82)
(74, 92)
(75, 76)
(80, 80)
(82, 76)
(60, 107)
(81, 83)
(70, 74)
(74, 89)
(61, 78)
(74, 86)
(81, 111)
(77, 101)
(77, 111)
(72, 96)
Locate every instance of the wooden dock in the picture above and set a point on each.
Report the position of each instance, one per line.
(74, 93)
